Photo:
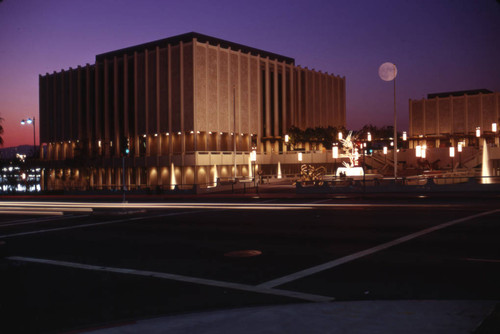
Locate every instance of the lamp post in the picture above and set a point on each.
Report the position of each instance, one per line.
(452, 156)
(335, 155)
(31, 121)
(494, 130)
(253, 158)
(234, 132)
(363, 147)
(459, 149)
(299, 157)
(387, 72)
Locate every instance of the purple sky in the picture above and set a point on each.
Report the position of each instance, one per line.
(437, 45)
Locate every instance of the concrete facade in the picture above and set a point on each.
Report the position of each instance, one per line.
(446, 119)
(190, 107)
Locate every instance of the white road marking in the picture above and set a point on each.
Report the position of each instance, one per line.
(329, 265)
(180, 278)
(30, 220)
(94, 224)
(39, 220)
(483, 260)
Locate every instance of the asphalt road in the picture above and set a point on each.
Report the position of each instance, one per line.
(77, 269)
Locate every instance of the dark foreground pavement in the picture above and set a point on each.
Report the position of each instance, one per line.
(365, 317)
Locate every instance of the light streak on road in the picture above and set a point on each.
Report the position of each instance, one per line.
(83, 206)
(31, 212)
(75, 206)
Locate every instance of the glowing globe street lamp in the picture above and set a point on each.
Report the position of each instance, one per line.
(478, 135)
(494, 129)
(335, 155)
(459, 150)
(452, 156)
(253, 158)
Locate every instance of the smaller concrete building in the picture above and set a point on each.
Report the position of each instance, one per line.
(444, 119)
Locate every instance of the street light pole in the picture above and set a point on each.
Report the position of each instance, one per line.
(253, 158)
(395, 133)
(459, 149)
(234, 131)
(363, 147)
(452, 156)
(335, 155)
(31, 121)
(388, 72)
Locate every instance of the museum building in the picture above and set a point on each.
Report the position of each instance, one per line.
(182, 110)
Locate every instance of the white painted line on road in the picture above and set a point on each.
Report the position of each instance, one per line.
(483, 260)
(95, 224)
(39, 220)
(329, 265)
(180, 278)
(29, 220)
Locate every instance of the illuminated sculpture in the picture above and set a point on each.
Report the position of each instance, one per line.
(351, 152)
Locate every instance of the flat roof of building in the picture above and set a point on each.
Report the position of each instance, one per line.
(460, 93)
(188, 37)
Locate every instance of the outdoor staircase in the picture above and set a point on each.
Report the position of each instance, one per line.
(381, 162)
(472, 160)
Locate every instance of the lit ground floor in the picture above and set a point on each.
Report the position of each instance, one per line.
(207, 169)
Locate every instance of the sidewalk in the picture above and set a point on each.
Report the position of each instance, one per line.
(370, 317)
